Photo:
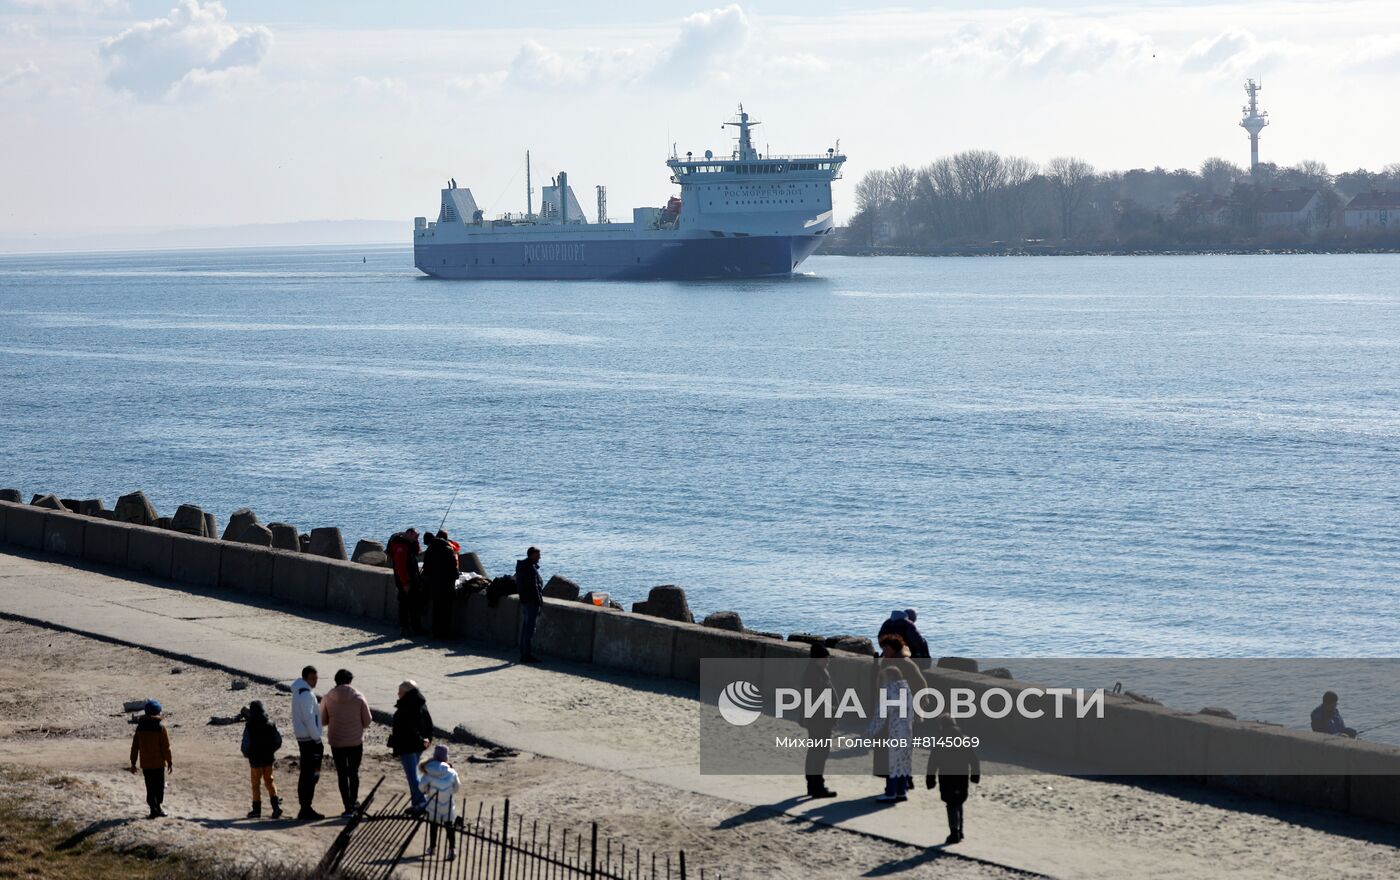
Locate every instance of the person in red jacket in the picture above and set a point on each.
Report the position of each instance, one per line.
(403, 555)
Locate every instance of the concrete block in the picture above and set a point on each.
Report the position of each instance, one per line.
(188, 519)
(560, 587)
(105, 542)
(634, 642)
(4, 507)
(136, 508)
(211, 525)
(1373, 772)
(63, 534)
(476, 621)
(246, 568)
(238, 523)
(694, 643)
(360, 590)
(256, 534)
(48, 502)
(566, 630)
(364, 546)
(196, 561)
(729, 620)
(72, 505)
(326, 541)
(13, 496)
(91, 507)
(285, 536)
(150, 551)
(24, 526)
(471, 562)
(299, 579)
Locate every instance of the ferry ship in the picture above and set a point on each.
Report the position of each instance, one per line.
(745, 215)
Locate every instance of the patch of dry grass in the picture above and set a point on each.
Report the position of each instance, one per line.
(36, 849)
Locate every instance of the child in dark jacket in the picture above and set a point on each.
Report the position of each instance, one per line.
(261, 740)
(951, 769)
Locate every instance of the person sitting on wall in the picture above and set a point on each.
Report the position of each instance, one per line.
(1326, 718)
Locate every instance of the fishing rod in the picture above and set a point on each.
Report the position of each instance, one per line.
(1377, 726)
(449, 508)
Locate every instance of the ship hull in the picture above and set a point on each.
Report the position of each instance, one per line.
(627, 259)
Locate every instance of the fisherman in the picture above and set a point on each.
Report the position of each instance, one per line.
(440, 570)
(403, 555)
(1326, 718)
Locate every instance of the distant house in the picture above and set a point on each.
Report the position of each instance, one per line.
(1300, 209)
(1372, 210)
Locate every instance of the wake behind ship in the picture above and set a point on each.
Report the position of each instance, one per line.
(748, 215)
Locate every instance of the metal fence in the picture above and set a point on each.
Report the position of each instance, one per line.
(392, 842)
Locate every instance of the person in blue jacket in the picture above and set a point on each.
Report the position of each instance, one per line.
(1326, 718)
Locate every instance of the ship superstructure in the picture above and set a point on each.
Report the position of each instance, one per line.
(744, 215)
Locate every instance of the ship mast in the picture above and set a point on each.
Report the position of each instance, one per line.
(746, 150)
(529, 190)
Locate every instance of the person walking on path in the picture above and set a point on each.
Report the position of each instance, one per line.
(901, 623)
(261, 740)
(816, 680)
(894, 722)
(439, 785)
(1326, 718)
(306, 727)
(150, 748)
(440, 570)
(403, 555)
(410, 736)
(531, 590)
(345, 716)
(950, 768)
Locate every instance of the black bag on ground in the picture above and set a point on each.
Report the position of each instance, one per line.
(501, 586)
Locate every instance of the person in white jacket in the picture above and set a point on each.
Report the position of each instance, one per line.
(439, 784)
(306, 727)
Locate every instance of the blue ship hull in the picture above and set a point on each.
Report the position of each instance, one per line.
(627, 259)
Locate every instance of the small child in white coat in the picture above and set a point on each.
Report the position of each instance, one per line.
(439, 784)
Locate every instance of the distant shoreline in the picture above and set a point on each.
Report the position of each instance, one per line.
(987, 251)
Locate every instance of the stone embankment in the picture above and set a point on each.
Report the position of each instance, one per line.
(659, 637)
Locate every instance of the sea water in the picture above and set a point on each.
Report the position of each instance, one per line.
(1073, 456)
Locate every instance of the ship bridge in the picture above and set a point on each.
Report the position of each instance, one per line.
(752, 193)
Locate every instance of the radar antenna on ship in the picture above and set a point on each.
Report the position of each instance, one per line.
(741, 122)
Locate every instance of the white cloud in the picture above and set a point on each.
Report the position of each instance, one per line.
(191, 50)
(706, 40)
(381, 87)
(1234, 51)
(1041, 46)
(18, 74)
(539, 66)
(71, 5)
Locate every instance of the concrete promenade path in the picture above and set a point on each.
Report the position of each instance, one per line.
(646, 728)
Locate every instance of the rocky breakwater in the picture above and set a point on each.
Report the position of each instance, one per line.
(660, 637)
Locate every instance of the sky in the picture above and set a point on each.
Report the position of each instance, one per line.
(127, 114)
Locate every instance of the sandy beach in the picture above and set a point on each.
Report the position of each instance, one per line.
(64, 741)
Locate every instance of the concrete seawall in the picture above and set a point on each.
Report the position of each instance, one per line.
(1363, 777)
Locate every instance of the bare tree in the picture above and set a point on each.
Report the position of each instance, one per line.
(1219, 175)
(1017, 172)
(1070, 179)
(980, 174)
